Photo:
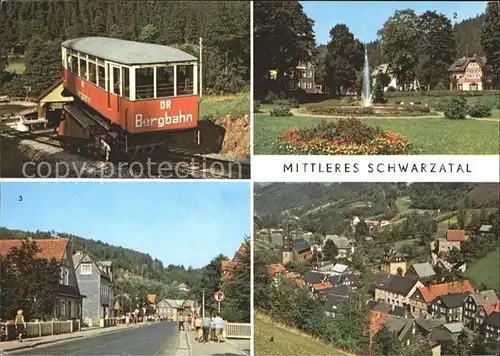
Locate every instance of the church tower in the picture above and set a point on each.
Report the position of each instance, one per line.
(286, 251)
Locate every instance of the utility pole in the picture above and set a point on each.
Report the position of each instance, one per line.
(218, 306)
(203, 305)
(201, 67)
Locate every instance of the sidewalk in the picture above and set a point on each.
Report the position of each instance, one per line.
(7, 346)
(227, 348)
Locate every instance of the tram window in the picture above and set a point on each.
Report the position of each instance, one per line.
(164, 81)
(144, 83)
(185, 79)
(82, 70)
(72, 64)
(92, 73)
(126, 82)
(102, 77)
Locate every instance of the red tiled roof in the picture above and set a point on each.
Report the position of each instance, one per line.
(431, 292)
(492, 307)
(49, 248)
(274, 269)
(377, 319)
(229, 266)
(456, 235)
(321, 286)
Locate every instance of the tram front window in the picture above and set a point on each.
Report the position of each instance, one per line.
(185, 75)
(144, 83)
(164, 81)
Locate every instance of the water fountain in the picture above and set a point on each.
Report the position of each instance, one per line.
(366, 96)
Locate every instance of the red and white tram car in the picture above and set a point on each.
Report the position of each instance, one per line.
(131, 94)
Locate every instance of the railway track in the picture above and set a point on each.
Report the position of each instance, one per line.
(163, 164)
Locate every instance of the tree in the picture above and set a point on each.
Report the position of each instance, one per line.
(386, 343)
(149, 34)
(283, 36)
(344, 59)
(330, 251)
(436, 48)
(29, 283)
(262, 282)
(479, 345)
(462, 344)
(209, 281)
(491, 42)
(236, 306)
(399, 40)
(362, 230)
(378, 91)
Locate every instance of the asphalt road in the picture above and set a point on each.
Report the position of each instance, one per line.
(154, 340)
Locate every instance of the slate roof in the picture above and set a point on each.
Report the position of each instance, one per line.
(341, 242)
(380, 307)
(453, 300)
(493, 320)
(423, 270)
(460, 64)
(486, 228)
(127, 52)
(396, 284)
(397, 325)
(301, 245)
(68, 290)
(399, 311)
(312, 277)
(333, 302)
(429, 324)
(484, 297)
(49, 248)
(338, 291)
(454, 327)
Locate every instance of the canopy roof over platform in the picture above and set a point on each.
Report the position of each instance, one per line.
(127, 52)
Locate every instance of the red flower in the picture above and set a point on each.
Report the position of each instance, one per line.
(336, 142)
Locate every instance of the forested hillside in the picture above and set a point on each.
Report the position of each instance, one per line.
(36, 29)
(327, 208)
(467, 37)
(135, 272)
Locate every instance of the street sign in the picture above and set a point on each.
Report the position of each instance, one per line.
(219, 296)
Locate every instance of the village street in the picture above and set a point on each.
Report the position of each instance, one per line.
(154, 339)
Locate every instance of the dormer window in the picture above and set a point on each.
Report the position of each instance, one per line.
(85, 269)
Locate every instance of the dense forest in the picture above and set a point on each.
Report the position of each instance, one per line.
(35, 29)
(327, 208)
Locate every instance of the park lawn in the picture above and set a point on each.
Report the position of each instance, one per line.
(286, 341)
(399, 244)
(237, 105)
(495, 114)
(17, 66)
(485, 271)
(430, 136)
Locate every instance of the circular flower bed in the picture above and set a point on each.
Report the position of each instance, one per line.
(344, 137)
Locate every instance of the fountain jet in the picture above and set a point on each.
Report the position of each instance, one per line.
(366, 96)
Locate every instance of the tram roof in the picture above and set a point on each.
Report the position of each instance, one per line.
(127, 52)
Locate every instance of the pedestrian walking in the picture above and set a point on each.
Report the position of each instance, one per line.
(206, 328)
(181, 321)
(20, 325)
(212, 328)
(219, 328)
(198, 323)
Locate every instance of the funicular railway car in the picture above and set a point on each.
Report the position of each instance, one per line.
(132, 95)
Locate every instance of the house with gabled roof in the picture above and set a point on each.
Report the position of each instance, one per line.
(453, 239)
(183, 287)
(468, 74)
(301, 250)
(228, 267)
(491, 327)
(421, 271)
(486, 230)
(422, 297)
(275, 270)
(68, 302)
(476, 307)
(396, 290)
(394, 262)
(95, 278)
(448, 307)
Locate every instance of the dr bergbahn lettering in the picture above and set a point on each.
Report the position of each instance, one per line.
(168, 118)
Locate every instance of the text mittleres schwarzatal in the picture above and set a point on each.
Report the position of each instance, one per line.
(377, 168)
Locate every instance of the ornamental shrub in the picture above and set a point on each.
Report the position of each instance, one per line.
(457, 109)
(281, 111)
(479, 110)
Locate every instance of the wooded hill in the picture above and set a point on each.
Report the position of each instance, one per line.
(36, 28)
(467, 35)
(329, 207)
(135, 271)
